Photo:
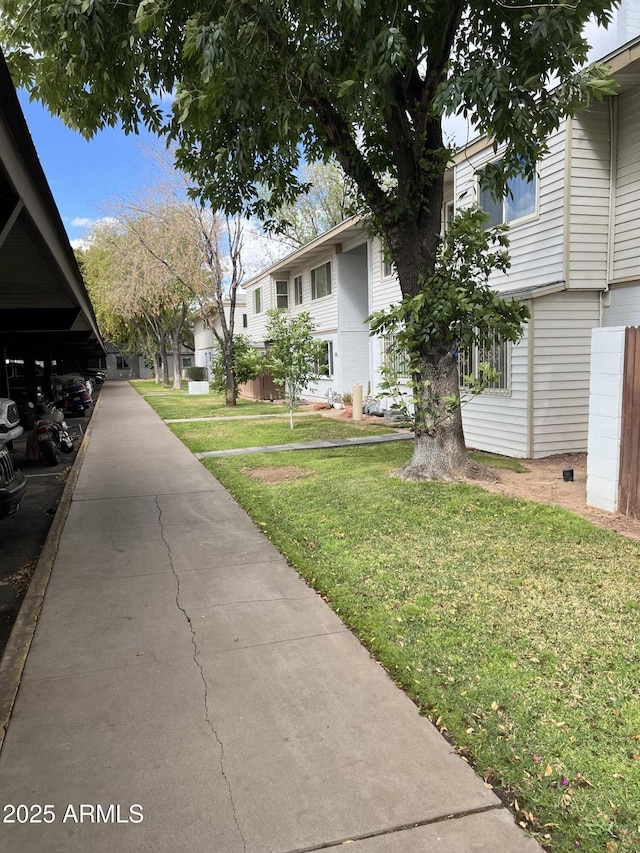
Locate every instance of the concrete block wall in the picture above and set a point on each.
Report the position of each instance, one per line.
(605, 417)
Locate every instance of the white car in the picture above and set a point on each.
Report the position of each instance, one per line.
(10, 428)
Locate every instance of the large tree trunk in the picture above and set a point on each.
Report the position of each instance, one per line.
(439, 449)
(230, 390)
(177, 373)
(156, 367)
(165, 362)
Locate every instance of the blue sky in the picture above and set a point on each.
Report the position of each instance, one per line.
(84, 174)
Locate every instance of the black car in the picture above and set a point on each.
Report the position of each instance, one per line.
(13, 485)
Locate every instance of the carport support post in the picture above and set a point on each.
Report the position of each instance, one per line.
(4, 377)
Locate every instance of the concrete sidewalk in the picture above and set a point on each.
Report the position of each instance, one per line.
(186, 692)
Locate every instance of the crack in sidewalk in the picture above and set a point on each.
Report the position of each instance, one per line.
(207, 713)
(391, 830)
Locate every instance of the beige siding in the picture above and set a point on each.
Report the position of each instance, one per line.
(563, 324)
(626, 258)
(589, 212)
(497, 423)
(624, 306)
(385, 291)
(537, 247)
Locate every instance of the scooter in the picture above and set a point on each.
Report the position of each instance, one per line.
(49, 437)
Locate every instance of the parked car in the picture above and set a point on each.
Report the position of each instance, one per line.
(10, 427)
(62, 381)
(13, 484)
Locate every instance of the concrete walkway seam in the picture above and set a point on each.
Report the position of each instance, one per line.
(307, 445)
(15, 654)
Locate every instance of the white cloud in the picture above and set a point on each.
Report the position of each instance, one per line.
(81, 222)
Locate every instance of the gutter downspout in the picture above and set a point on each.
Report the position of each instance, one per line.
(531, 378)
(605, 297)
(566, 237)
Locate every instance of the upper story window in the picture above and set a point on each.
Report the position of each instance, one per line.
(388, 269)
(449, 213)
(297, 290)
(282, 294)
(257, 301)
(321, 281)
(519, 201)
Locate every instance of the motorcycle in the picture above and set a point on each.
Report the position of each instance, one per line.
(49, 437)
(74, 399)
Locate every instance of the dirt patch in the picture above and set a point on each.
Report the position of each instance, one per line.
(281, 474)
(544, 483)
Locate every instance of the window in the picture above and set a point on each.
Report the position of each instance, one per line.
(257, 301)
(245, 321)
(394, 359)
(492, 350)
(449, 213)
(388, 269)
(122, 363)
(321, 281)
(186, 361)
(325, 361)
(297, 290)
(282, 294)
(519, 201)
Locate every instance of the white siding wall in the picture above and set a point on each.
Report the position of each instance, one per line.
(590, 184)
(352, 353)
(537, 247)
(257, 323)
(563, 325)
(497, 423)
(623, 308)
(626, 258)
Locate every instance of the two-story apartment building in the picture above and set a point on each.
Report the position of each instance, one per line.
(574, 260)
(331, 279)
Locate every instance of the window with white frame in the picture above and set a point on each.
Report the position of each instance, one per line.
(321, 281)
(245, 321)
(449, 213)
(282, 295)
(492, 350)
(395, 359)
(388, 268)
(519, 200)
(257, 301)
(297, 290)
(325, 360)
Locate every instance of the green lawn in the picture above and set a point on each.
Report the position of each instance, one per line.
(514, 626)
(224, 435)
(180, 404)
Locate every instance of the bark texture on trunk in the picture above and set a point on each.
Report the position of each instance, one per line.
(177, 372)
(439, 449)
(230, 389)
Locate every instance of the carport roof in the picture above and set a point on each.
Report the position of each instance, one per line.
(44, 306)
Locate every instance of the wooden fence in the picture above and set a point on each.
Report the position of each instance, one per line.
(629, 483)
(263, 388)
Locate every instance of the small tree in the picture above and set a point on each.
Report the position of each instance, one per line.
(294, 354)
(248, 363)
